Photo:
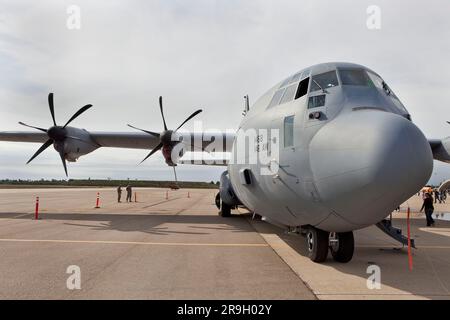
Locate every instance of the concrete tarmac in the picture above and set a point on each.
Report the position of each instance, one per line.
(156, 248)
(178, 248)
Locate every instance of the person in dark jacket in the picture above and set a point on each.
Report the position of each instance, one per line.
(119, 193)
(429, 208)
(437, 196)
(129, 192)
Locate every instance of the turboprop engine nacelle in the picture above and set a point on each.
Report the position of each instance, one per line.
(441, 150)
(77, 143)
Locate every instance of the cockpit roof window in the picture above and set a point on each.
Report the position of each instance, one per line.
(354, 77)
(295, 78)
(324, 80)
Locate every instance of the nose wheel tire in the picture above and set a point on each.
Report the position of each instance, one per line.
(317, 244)
(342, 246)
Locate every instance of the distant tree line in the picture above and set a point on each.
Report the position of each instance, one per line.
(105, 183)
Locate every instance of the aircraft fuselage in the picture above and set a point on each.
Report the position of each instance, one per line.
(348, 152)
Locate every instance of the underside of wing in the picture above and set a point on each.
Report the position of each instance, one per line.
(23, 136)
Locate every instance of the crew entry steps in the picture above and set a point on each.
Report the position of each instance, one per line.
(386, 226)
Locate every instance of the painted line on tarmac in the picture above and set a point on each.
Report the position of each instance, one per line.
(141, 243)
(21, 215)
(399, 247)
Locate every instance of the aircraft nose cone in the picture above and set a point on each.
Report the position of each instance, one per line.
(366, 163)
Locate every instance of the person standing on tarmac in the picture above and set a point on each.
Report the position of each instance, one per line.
(119, 193)
(436, 196)
(129, 192)
(429, 208)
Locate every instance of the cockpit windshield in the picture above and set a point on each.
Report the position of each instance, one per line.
(324, 80)
(360, 77)
(354, 77)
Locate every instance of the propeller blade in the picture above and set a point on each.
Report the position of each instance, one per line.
(162, 112)
(26, 125)
(47, 144)
(61, 154)
(158, 147)
(79, 112)
(149, 132)
(189, 118)
(52, 108)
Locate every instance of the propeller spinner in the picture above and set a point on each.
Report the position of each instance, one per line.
(165, 137)
(56, 134)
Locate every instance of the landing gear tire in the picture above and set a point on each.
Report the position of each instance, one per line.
(342, 246)
(225, 210)
(317, 244)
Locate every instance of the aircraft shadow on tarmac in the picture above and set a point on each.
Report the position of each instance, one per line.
(149, 223)
(430, 277)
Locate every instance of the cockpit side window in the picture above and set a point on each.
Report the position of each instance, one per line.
(324, 81)
(380, 84)
(276, 98)
(289, 93)
(302, 88)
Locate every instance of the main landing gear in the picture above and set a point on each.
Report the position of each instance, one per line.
(225, 210)
(340, 244)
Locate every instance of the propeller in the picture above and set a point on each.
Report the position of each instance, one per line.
(56, 134)
(165, 137)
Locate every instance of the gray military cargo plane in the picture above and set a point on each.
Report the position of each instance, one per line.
(347, 154)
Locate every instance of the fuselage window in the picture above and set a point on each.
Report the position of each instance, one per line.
(316, 101)
(289, 131)
(354, 77)
(302, 88)
(324, 81)
(276, 98)
(289, 93)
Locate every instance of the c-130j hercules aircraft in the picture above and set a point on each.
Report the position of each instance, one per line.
(348, 154)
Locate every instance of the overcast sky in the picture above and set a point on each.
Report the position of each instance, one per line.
(203, 53)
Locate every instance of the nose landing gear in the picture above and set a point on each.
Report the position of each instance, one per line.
(340, 244)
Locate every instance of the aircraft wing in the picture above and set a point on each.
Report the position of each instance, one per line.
(440, 149)
(129, 140)
(218, 142)
(23, 136)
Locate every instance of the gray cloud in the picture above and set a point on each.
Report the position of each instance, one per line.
(205, 53)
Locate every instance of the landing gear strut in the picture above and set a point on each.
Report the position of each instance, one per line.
(340, 244)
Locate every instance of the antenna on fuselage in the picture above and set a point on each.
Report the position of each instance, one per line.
(246, 105)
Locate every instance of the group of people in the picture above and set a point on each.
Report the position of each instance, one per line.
(129, 191)
(440, 196)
